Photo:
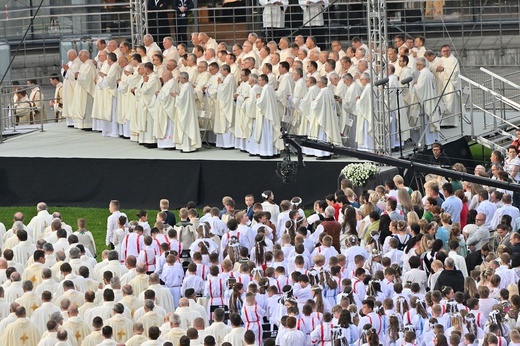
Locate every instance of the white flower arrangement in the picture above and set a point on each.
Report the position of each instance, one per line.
(359, 173)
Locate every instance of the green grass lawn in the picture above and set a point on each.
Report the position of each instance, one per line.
(96, 219)
(480, 152)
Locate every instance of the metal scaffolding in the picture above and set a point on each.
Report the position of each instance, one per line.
(378, 51)
(139, 20)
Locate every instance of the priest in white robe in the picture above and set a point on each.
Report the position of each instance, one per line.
(324, 123)
(349, 117)
(170, 51)
(267, 126)
(123, 98)
(165, 112)
(69, 84)
(84, 92)
(109, 125)
(151, 47)
(364, 128)
(284, 91)
(398, 123)
(424, 93)
(248, 108)
(210, 100)
(273, 16)
(146, 101)
(22, 331)
(134, 82)
(433, 62)
(100, 97)
(187, 133)
(199, 85)
(313, 12)
(225, 119)
(449, 71)
(300, 89)
(121, 325)
(305, 109)
(241, 119)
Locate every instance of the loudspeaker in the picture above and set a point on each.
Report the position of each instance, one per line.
(459, 149)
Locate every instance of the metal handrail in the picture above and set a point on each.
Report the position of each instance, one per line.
(494, 115)
(502, 98)
(6, 117)
(424, 21)
(494, 75)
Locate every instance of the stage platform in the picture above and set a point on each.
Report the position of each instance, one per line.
(68, 167)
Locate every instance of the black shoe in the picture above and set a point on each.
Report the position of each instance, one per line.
(395, 150)
(253, 155)
(71, 126)
(322, 158)
(267, 157)
(151, 145)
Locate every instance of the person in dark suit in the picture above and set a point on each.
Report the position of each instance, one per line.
(182, 9)
(476, 258)
(450, 277)
(164, 205)
(158, 24)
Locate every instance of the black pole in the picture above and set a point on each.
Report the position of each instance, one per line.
(303, 141)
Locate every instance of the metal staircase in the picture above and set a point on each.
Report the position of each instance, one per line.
(493, 117)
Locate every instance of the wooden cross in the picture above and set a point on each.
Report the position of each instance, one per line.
(120, 334)
(24, 338)
(33, 279)
(34, 307)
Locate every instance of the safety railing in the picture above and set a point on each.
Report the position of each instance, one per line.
(19, 113)
(343, 20)
(402, 114)
(502, 110)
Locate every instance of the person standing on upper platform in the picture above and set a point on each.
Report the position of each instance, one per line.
(449, 71)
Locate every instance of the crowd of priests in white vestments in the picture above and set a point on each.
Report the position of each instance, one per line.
(245, 95)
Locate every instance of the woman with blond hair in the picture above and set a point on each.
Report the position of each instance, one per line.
(424, 245)
(365, 222)
(470, 288)
(456, 234)
(412, 218)
(475, 190)
(485, 277)
(417, 203)
(457, 324)
(352, 198)
(403, 197)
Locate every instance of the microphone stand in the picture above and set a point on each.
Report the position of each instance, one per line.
(397, 93)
